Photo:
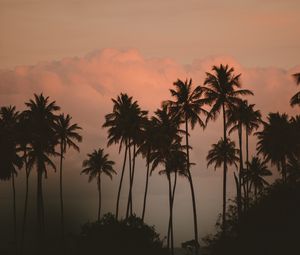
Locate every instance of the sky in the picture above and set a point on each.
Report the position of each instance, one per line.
(82, 54)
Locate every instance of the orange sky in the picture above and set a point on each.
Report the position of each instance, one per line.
(256, 32)
(81, 55)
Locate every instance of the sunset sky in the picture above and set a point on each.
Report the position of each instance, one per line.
(83, 53)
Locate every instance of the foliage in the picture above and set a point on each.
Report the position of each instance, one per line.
(127, 236)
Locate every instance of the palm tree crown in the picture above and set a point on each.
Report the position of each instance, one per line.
(221, 152)
(257, 170)
(96, 163)
(222, 88)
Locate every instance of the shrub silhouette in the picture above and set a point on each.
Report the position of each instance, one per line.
(128, 236)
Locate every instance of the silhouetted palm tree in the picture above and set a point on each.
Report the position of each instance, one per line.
(117, 123)
(147, 145)
(257, 170)
(239, 116)
(97, 164)
(67, 137)
(24, 138)
(222, 91)
(276, 142)
(124, 125)
(188, 106)
(223, 152)
(166, 150)
(41, 116)
(10, 161)
(295, 100)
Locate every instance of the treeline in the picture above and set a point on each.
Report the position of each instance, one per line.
(32, 138)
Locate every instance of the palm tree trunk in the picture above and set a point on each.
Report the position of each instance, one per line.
(40, 229)
(224, 175)
(61, 193)
(239, 194)
(131, 180)
(25, 205)
(146, 186)
(99, 193)
(191, 185)
(247, 167)
(128, 201)
(121, 181)
(170, 228)
(170, 235)
(14, 207)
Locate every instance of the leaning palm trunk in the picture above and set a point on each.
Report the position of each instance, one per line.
(170, 228)
(248, 186)
(26, 204)
(146, 186)
(130, 169)
(14, 207)
(61, 193)
(170, 233)
(121, 181)
(192, 187)
(99, 193)
(224, 176)
(40, 210)
(239, 191)
(129, 203)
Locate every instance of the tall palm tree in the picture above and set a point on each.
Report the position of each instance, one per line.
(117, 123)
(24, 138)
(222, 91)
(41, 116)
(167, 151)
(239, 116)
(67, 137)
(255, 175)
(146, 146)
(276, 142)
(10, 161)
(124, 125)
(295, 100)
(223, 152)
(188, 106)
(97, 164)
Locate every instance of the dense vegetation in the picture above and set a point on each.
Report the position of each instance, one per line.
(30, 139)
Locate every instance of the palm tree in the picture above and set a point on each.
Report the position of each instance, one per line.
(41, 116)
(221, 90)
(146, 146)
(67, 137)
(96, 164)
(295, 100)
(167, 152)
(239, 116)
(223, 152)
(10, 161)
(188, 106)
(276, 142)
(124, 125)
(255, 175)
(24, 138)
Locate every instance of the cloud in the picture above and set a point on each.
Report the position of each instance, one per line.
(84, 86)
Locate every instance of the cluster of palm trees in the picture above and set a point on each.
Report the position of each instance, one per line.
(31, 138)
